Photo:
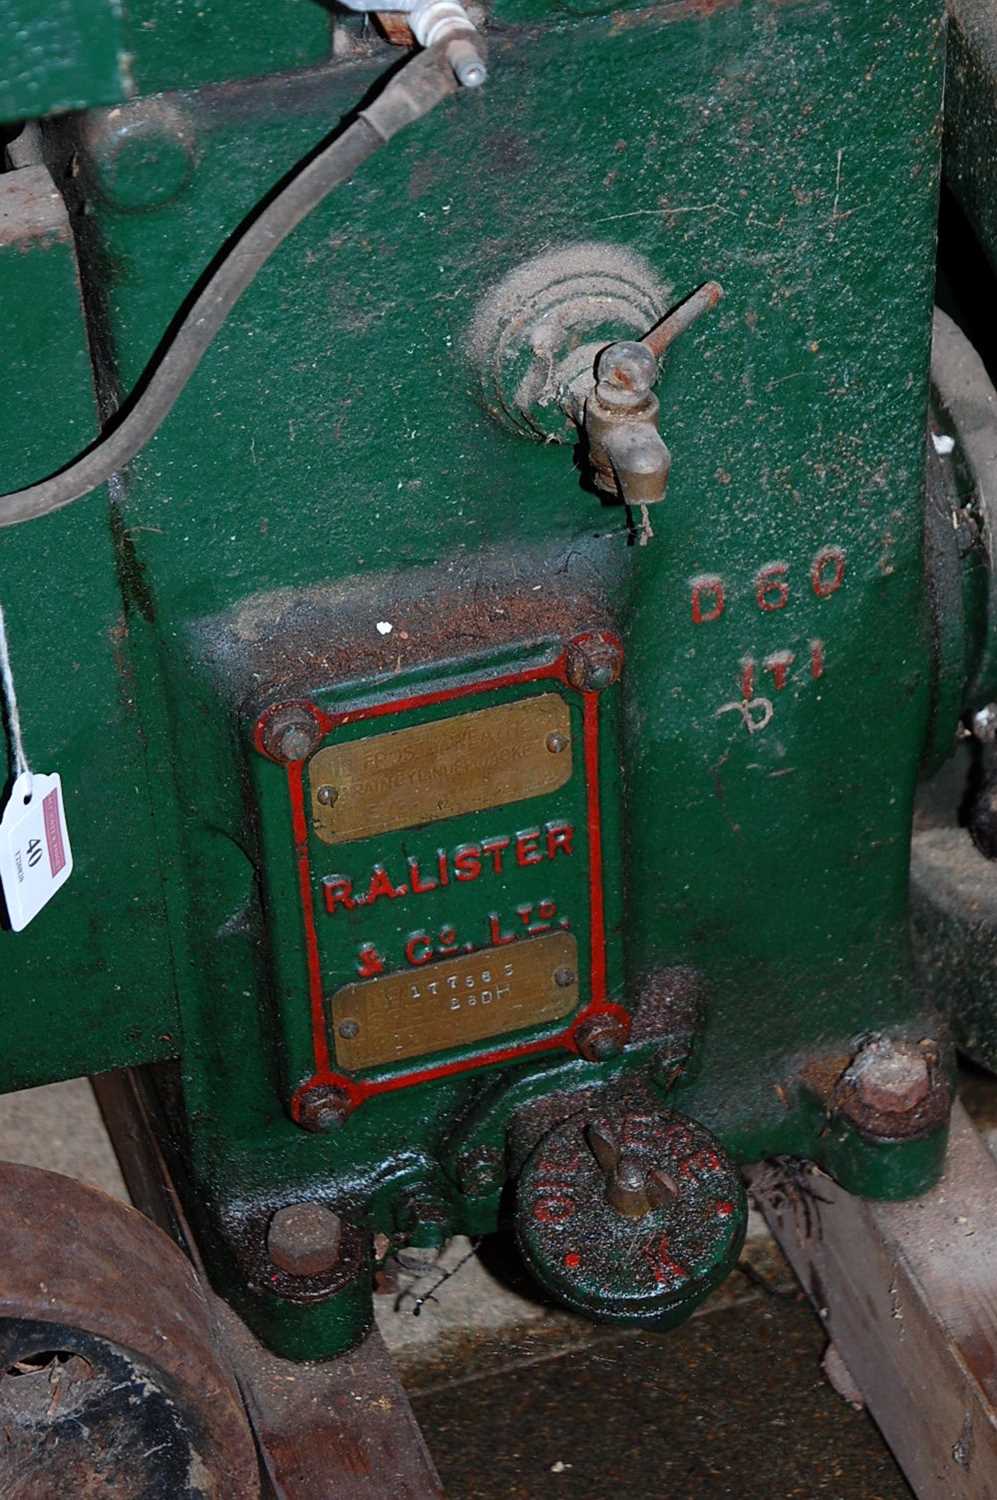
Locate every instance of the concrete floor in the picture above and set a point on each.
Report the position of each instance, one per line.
(520, 1400)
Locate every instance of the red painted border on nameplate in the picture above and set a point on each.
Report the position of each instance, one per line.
(359, 1090)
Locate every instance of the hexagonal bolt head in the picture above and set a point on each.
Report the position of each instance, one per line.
(291, 734)
(890, 1078)
(323, 1108)
(594, 664)
(481, 1171)
(600, 1038)
(304, 1239)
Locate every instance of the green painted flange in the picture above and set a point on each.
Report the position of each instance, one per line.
(631, 1218)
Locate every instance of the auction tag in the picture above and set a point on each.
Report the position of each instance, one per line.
(35, 857)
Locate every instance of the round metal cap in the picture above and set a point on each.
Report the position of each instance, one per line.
(623, 1250)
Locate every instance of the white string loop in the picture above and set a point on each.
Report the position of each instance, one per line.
(12, 713)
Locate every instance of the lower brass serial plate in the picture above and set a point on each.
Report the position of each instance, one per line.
(455, 1001)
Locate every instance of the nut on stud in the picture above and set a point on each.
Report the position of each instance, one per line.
(304, 1239)
(323, 1108)
(594, 663)
(291, 733)
(626, 371)
(601, 1037)
(893, 1088)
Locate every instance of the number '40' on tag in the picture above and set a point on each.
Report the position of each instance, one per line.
(35, 857)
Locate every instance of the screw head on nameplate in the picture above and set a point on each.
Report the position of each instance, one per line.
(35, 857)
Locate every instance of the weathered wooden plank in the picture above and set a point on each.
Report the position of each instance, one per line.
(908, 1294)
(341, 1430)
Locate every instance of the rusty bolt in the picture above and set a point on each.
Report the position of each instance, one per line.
(890, 1077)
(593, 664)
(323, 1108)
(304, 1239)
(564, 977)
(480, 1171)
(291, 733)
(600, 1038)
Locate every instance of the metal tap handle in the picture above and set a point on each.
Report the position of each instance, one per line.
(628, 370)
(667, 331)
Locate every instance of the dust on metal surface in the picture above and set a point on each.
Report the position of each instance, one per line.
(630, 1215)
(304, 1239)
(455, 1001)
(895, 1089)
(466, 763)
(782, 604)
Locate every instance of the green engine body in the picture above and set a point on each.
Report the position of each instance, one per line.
(418, 809)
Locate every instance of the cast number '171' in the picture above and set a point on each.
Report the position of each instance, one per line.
(773, 591)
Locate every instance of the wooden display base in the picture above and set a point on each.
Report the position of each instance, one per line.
(908, 1295)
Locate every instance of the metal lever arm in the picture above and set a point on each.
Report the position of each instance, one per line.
(667, 331)
(629, 458)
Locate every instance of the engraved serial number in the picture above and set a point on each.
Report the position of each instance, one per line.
(477, 987)
(464, 999)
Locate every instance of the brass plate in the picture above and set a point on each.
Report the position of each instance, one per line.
(457, 765)
(455, 1001)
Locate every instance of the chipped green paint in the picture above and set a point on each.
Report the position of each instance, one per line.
(74, 54)
(330, 467)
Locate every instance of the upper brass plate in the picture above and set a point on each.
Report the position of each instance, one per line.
(457, 765)
(455, 1001)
